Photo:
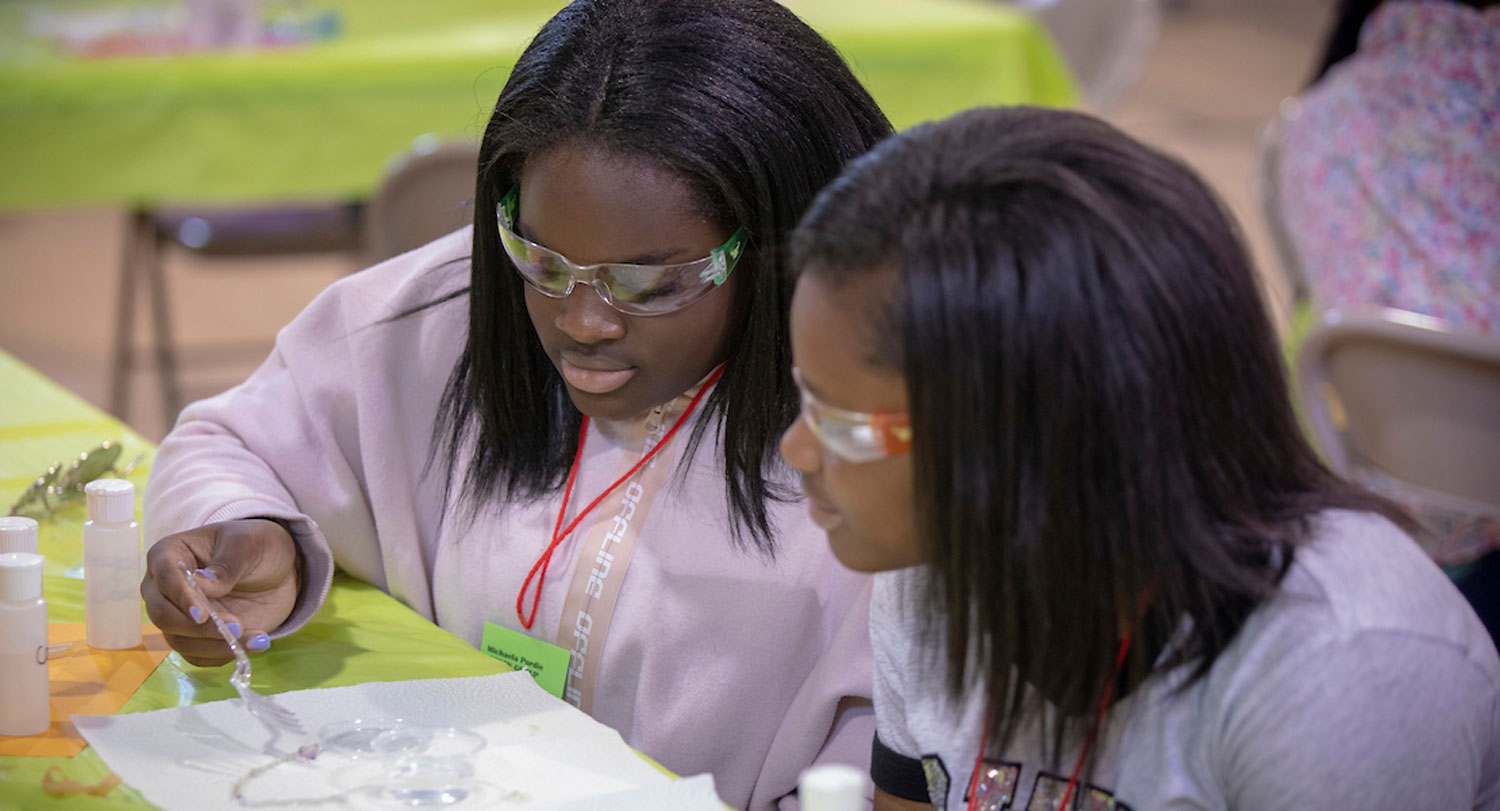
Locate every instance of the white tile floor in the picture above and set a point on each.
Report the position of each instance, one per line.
(1218, 69)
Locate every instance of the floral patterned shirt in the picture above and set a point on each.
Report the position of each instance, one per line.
(1390, 175)
(1390, 186)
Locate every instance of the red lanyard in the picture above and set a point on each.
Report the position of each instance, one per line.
(559, 532)
(1109, 691)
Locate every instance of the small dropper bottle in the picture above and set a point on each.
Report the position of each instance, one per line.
(17, 534)
(111, 566)
(832, 787)
(24, 708)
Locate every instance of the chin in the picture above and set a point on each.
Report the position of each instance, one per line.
(853, 552)
(615, 406)
(599, 406)
(857, 552)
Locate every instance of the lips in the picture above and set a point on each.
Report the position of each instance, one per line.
(594, 375)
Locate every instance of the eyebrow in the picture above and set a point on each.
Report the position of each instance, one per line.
(808, 384)
(818, 393)
(658, 258)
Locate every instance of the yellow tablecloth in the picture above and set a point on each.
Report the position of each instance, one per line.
(360, 635)
(322, 120)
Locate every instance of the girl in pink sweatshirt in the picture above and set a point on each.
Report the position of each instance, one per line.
(562, 422)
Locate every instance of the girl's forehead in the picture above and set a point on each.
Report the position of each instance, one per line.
(596, 206)
(580, 169)
(836, 342)
(858, 306)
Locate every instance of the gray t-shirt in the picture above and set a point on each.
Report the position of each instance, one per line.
(1366, 682)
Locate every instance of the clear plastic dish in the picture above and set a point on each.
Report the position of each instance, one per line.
(431, 766)
(355, 739)
(378, 763)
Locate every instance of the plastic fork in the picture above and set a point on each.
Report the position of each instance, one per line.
(276, 717)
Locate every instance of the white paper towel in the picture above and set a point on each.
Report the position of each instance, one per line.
(540, 752)
(689, 792)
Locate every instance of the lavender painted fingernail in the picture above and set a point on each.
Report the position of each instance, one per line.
(234, 629)
(260, 642)
(196, 613)
(212, 578)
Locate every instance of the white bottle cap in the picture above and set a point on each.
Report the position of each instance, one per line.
(20, 576)
(17, 534)
(111, 501)
(832, 787)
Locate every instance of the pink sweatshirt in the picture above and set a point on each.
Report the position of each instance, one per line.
(715, 660)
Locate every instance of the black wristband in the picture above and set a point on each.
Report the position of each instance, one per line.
(898, 775)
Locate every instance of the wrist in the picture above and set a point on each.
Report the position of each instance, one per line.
(299, 561)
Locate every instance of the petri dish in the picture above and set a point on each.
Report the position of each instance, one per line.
(435, 774)
(355, 739)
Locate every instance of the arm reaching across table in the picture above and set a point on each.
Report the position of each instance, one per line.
(329, 439)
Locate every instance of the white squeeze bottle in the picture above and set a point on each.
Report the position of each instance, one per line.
(832, 788)
(24, 706)
(17, 534)
(111, 566)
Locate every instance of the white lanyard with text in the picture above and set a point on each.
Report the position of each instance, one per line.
(602, 562)
(606, 551)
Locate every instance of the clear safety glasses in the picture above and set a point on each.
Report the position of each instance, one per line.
(854, 436)
(631, 289)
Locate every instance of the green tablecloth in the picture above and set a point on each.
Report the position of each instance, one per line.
(360, 635)
(322, 121)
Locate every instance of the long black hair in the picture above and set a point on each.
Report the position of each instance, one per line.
(1103, 440)
(755, 112)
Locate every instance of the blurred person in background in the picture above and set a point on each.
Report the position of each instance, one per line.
(1389, 175)
(1390, 187)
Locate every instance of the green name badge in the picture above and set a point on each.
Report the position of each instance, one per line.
(546, 662)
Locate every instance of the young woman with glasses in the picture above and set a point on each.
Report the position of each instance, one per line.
(1040, 393)
(563, 423)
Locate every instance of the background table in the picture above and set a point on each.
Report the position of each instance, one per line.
(361, 634)
(320, 121)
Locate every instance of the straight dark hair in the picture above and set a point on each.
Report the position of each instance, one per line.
(755, 112)
(1103, 440)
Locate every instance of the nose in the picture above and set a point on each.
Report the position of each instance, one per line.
(587, 319)
(800, 448)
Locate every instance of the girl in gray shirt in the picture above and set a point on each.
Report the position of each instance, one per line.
(1040, 393)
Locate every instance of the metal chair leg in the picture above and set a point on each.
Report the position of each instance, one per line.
(123, 354)
(164, 349)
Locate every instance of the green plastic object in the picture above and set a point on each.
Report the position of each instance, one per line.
(321, 121)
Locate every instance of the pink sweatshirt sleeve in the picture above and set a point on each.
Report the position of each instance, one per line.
(832, 719)
(329, 426)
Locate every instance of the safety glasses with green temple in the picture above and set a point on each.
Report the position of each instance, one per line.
(631, 289)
